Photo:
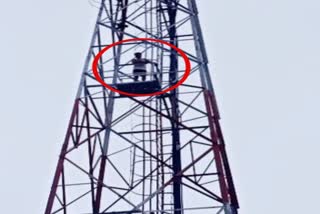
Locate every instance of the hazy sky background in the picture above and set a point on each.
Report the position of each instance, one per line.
(264, 59)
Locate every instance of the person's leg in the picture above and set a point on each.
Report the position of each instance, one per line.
(155, 77)
(143, 75)
(135, 75)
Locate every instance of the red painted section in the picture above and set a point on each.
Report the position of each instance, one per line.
(61, 159)
(100, 184)
(216, 148)
(229, 177)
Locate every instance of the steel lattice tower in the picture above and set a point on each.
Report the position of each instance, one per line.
(161, 154)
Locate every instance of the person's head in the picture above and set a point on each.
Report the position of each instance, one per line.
(138, 55)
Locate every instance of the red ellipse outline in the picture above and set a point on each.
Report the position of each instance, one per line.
(99, 55)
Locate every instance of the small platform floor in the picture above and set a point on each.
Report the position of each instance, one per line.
(139, 87)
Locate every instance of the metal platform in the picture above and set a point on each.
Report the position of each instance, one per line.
(144, 87)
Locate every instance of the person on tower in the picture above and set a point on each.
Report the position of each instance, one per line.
(139, 66)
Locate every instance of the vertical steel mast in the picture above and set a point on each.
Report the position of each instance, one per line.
(158, 154)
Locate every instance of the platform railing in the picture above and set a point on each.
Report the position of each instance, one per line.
(153, 75)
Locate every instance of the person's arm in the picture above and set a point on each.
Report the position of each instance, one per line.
(149, 61)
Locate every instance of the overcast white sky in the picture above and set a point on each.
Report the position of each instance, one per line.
(264, 58)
